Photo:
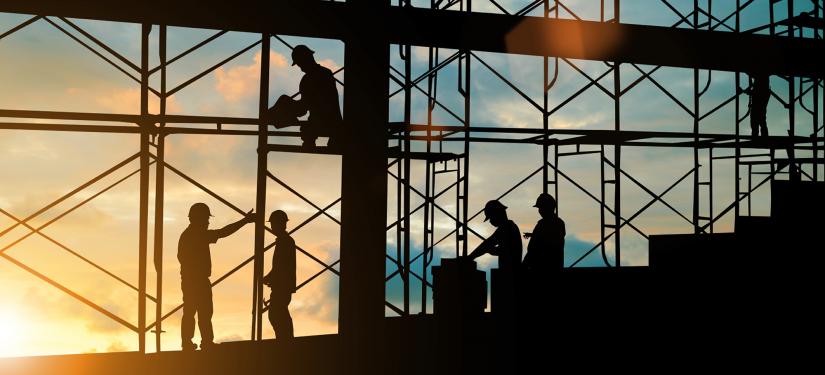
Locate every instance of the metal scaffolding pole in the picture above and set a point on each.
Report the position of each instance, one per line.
(617, 152)
(144, 185)
(159, 192)
(260, 193)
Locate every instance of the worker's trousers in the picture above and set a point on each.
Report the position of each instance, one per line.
(197, 299)
(279, 314)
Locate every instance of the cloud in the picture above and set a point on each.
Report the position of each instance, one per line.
(320, 303)
(241, 82)
(230, 338)
(117, 346)
(57, 306)
(128, 101)
(329, 64)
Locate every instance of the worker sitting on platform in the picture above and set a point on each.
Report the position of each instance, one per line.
(505, 243)
(760, 94)
(195, 269)
(545, 251)
(281, 279)
(319, 97)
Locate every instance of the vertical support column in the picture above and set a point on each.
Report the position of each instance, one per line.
(364, 188)
(710, 188)
(737, 151)
(407, 175)
(144, 184)
(160, 167)
(816, 82)
(465, 194)
(260, 193)
(793, 175)
(432, 87)
(695, 217)
(617, 150)
(545, 118)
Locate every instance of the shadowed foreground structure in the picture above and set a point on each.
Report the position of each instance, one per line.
(680, 297)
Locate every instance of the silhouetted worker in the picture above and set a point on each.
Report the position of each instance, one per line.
(545, 251)
(195, 269)
(281, 279)
(760, 94)
(319, 97)
(505, 243)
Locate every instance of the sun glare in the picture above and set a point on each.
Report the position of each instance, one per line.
(10, 330)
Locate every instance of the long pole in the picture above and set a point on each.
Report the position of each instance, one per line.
(260, 193)
(144, 184)
(159, 186)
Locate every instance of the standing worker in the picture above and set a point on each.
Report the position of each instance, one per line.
(505, 243)
(195, 269)
(760, 94)
(546, 247)
(281, 279)
(319, 97)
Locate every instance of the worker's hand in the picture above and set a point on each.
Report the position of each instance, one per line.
(250, 216)
(266, 280)
(527, 235)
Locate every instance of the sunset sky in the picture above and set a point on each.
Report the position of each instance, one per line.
(43, 69)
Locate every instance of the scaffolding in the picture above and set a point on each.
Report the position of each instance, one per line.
(441, 153)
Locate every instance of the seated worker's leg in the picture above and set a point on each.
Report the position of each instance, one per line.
(309, 134)
(205, 313)
(335, 139)
(279, 315)
(763, 124)
(754, 123)
(759, 114)
(187, 324)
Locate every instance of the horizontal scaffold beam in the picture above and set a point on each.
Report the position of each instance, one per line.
(586, 40)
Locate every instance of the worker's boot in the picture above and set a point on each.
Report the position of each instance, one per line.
(309, 142)
(189, 346)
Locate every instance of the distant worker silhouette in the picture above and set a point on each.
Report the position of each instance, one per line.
(319, 97)
(760, 94)
(545, 251)
(505, 243)
(281, 279)
(195, 269)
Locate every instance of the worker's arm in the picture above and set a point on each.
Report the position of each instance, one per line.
(232, 228)
(301, 108)
(267, 279)
(487, 246)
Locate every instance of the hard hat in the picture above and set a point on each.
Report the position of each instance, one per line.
(199, 210)
(493, 206)
(545, 200)
(278, 215)
(301, 51)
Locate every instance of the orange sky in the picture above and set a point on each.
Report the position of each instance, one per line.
(42, 69)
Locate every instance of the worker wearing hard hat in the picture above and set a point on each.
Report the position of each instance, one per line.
(319, 97)
(195, 269)
(545, 251)
(281, 279)
(505, 243)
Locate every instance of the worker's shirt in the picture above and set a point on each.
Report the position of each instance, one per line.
(761, 91)
(283, 265)
(193, 252)
(546, 246)
(507, 242)
(320, 96)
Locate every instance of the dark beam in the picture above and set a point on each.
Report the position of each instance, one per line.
(587, 40)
